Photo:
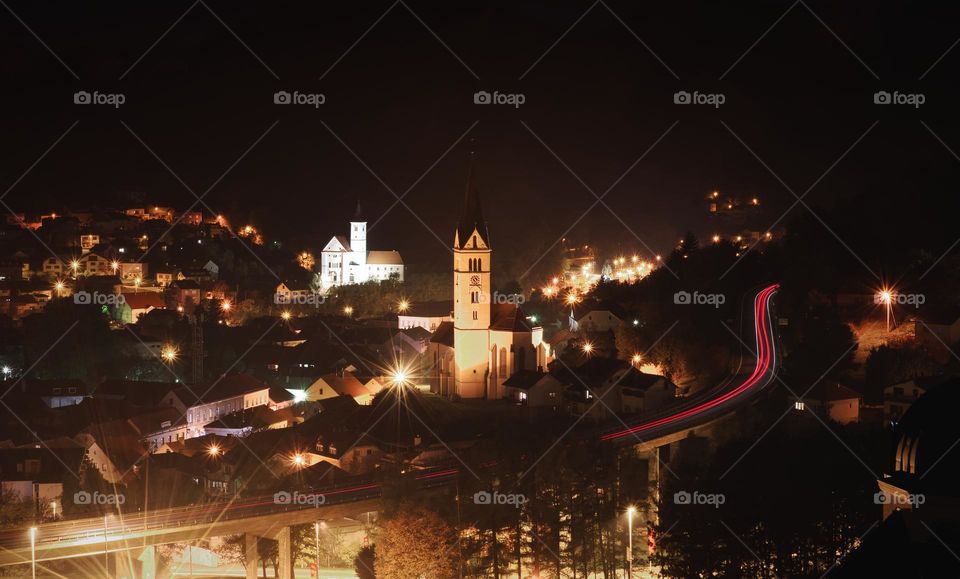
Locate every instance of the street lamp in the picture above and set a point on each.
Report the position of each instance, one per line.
(403, 306)
(226, 305)
(33, 551)
(886, 298)
(316, 542)
(636, 359)
(587, 348)
(169, 353)
(630, 513)
(348, 310)
(285, 316)
(213, 451)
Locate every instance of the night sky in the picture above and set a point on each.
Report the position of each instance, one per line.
(199, 92)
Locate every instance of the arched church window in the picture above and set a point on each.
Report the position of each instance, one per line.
(503, 361)
(479, 264)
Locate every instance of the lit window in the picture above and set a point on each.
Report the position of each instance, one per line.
(799, 405)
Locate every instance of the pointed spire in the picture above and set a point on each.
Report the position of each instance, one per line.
(472, 217)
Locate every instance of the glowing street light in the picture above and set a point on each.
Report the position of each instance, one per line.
(587, 348)
(630, 512)
(213, 450)
(298, 460)
(403, 306)
(636, 359)
(226, 305)
(348, 310)
(114, 265)
(572, 299)
(286, 316)
(33, 551)
(886, 298)
(169, 353)
(59, 286)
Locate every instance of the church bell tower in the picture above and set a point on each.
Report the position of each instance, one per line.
(471, 291)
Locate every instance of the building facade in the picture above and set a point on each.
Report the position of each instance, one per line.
(345, 259)
(486, 343)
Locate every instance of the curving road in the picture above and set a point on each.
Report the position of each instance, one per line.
(727, 395)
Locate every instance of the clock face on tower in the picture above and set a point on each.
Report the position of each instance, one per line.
(475, 280)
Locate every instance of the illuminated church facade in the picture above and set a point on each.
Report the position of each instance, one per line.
(487, 342)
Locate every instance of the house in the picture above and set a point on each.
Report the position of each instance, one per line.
(837, 402)
(37, 474)
(186, 293)
(133, 305)
(341, 383)
(166, 276)
(292, 293)
(603, 318)
(132, 271)
(621, 387)
(897, 398)
(535, 388)
(426, 315)
(203, 404)
(406, 344)
(58, 393)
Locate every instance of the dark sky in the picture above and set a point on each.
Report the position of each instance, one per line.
(203, 94)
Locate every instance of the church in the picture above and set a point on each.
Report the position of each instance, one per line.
(345, 260)
(487, 341)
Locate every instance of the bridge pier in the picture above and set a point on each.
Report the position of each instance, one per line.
(251, 555)
(133, 564)
(285, 553)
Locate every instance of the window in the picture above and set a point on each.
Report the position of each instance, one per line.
(799, 405)
(474, 314)
(474, 297)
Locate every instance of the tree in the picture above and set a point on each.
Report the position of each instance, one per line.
(429, 556)
(364, 562)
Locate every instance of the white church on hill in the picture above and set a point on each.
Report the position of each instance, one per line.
(346, 260)
(486, 343)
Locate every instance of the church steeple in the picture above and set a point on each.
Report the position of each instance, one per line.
(471, 219)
